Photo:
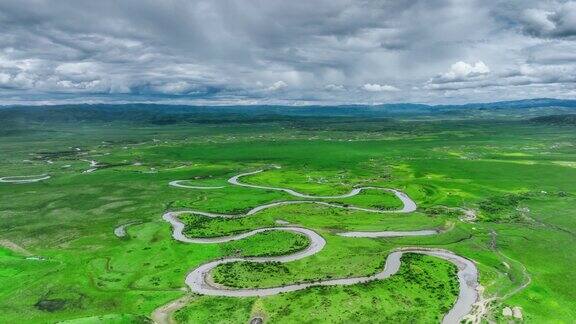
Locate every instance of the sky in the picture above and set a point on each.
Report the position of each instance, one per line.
(295, 52)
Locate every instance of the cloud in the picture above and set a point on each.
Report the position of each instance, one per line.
(462, 71)
(557, 22)
(552, 53)
(279, 51)
(278, 85)
(523, 75)
(179, 87)
(334, 87)
(374, 87)
(46, 76)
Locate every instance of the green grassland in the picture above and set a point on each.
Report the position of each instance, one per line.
(519, 177)
(428, 289)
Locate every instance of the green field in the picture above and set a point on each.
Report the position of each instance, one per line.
(60, 259)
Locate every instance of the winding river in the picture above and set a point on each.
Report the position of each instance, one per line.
(199, 279)
(25, 179)
(120, 231)
(409, 204)
(178, 183)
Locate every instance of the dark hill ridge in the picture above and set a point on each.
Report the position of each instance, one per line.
(566, 119)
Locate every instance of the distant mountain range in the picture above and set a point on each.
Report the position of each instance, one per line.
(169, 114)
(526, 103)
(517, 104)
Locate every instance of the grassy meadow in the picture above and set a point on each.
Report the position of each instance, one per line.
(61, 262)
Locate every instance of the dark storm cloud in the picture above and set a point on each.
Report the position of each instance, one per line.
(286, 51)
(553, 21)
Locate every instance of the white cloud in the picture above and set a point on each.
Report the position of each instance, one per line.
(95, 85)
(462, 71)
(75, 68)
(374, 87)
(278, 85)
(334, 87)
(461, 75)
(173, 87)
(5, 77)
(513, 80)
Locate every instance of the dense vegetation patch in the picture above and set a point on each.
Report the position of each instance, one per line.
(565, 119)
(501, 208)
(58, 301)
(269, 243)
(225, 310)
(111, 319)
(437, 211)
(230, 274)
(201, 226)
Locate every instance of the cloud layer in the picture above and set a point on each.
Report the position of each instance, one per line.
(295, 52)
